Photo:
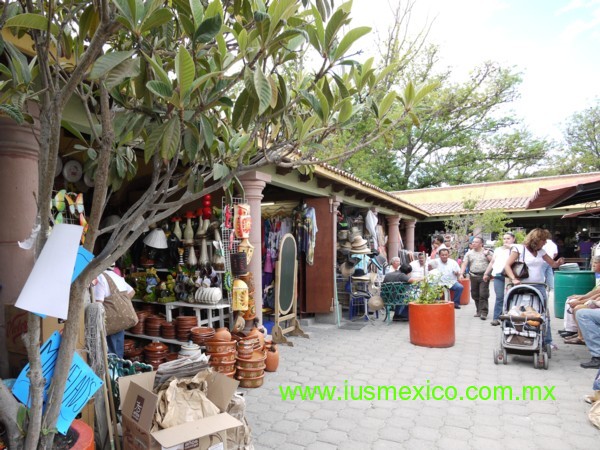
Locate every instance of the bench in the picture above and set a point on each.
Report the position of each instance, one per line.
(396, 294)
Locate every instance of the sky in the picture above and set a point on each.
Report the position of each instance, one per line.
(554, 44)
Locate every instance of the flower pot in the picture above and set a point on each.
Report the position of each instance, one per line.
(465, 298)
(85, 435)
(432, 325)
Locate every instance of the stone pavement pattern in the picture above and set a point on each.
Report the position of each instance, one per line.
(381, 354)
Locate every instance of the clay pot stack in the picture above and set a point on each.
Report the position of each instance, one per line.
(221, 349)
(167, 330)
(152, 325)
(251, 371)
(155, 354)
(184, 325)
(199, 335)
(140, 328)
(131, 352)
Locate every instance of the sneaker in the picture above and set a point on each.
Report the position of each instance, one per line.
(483, 317)
(593, 363)
(477, 315)
(566, 334)
(456, 306)
(495, 323)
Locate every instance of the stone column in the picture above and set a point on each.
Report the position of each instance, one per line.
(254, 183)
(393, 245)
(409, 231)
(19, 158)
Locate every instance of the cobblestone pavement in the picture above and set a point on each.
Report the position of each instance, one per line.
(381, 354)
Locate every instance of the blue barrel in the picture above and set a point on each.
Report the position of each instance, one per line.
(567, 283)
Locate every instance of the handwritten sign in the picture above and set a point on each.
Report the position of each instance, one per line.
(81, 385)
(84, 257)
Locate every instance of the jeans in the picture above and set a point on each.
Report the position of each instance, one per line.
(480, 291)
(549, 276)
(457, 288)
(589, 325)
(499, 286)
(542, 290)
(116, 343)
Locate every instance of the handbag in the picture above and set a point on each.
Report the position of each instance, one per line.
(119, 311)
(519, 268)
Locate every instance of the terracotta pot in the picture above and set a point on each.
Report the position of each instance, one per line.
(252, 382)
(257, 360)
(85, 436)
(249, 373)
(465, 298)
(222, 358)
(222, 334)
(272, 361)
(219, 346)
(223, 368)
(432, 325)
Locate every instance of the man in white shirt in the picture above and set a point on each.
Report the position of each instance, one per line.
(449, 271)
(551, 250)
(115, 342)
(418, 267)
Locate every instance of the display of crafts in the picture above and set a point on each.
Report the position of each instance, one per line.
(67, 207)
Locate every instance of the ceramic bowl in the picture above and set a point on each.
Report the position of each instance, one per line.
(222, 358)
(223, 368)
(250, 373)
(252, 382)
(257, 360)
(213, 346)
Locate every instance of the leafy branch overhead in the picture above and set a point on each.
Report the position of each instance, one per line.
(191, 91)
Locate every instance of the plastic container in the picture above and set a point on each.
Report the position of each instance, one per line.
(567, 283)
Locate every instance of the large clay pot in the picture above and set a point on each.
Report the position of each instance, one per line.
(272, 361)
(465, 297)
(432, 325)
(85, 436)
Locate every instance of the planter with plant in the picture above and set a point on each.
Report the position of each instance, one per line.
(431, 316)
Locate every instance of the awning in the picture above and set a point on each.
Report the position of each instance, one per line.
(591, 212)
(566, 195)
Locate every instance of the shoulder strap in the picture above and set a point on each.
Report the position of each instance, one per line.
(111, 284)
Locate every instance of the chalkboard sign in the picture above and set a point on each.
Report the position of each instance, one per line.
(287, 274)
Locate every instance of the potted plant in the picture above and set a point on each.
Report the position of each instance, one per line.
(431, 321)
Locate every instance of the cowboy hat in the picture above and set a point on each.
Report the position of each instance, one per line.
(362, 251)
(358, 242)
(347, 269)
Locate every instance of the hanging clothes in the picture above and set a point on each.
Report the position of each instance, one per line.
(305, 230)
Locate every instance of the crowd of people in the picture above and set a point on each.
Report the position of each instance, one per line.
(541, 256)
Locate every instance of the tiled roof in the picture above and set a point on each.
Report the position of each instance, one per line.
(483, 205)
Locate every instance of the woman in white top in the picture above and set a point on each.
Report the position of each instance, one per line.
(534, 257)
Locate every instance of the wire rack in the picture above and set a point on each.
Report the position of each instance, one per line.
(230, 242)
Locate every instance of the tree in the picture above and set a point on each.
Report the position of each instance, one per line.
(460, 122)
(199, 91)
(582, 137)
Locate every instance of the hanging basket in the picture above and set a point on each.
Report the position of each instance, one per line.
(239, 264)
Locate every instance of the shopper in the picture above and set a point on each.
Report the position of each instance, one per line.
(495, 270)
(478, 259)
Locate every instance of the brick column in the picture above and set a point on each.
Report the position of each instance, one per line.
(254, 183)
(393, 244)
(409, 233)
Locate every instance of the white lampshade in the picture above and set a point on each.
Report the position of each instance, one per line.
(156, 239)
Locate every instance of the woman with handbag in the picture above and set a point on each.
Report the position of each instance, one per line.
(528, 259)
(114, 291)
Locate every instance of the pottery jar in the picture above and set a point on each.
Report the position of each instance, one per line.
(189, 349)
(222, 334)
(272, 361)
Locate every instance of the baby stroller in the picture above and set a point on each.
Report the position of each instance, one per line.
(523, 326)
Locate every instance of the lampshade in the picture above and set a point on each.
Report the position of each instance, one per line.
(156, 239)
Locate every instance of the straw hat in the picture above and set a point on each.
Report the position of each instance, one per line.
(375, 303)
(358, 242)
(360, 275)
(348, 267)
(343, 235)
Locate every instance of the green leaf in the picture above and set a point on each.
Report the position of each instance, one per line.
(13, 112)
(161, 89)
(158, 70)
(197, 11)
(207, 131)
(386, 103)
(345, 110)
(220, 171)
(249, 82)
(341, 86)
(130, 68)
(171, 138)
(185, 70)
(31, 21)
(349, 39)
(323, 103)
(195, 182)
(121, 166)
(152, 142)
(107, 62)
(240, 106)
(208, 29)
(263, 89)
(319, 30)
(333, 26)
(71, 129)
(157, 19)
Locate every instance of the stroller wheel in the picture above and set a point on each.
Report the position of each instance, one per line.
(546, 363)
(504, 357)
(548, 348)
(536, 361)
(496, 355)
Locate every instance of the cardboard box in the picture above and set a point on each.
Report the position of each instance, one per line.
(138, 405)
